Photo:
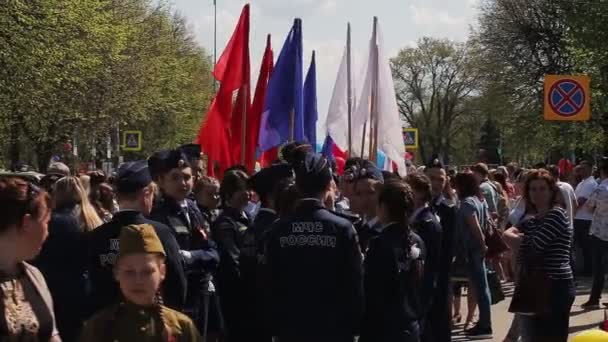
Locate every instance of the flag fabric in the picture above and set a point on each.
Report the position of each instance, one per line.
(215, 133)
(269, 157)
(328, 148)
(390, 138)
(310, 103)
(336, 123)
(257, 108)
(240, 117)
(284, 95)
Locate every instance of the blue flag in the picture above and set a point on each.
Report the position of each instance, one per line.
(310, 103)
(328, 148)
(284, 99)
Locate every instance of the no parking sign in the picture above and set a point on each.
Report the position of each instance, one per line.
(567, 98)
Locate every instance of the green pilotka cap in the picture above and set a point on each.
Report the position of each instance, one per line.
(139, 238)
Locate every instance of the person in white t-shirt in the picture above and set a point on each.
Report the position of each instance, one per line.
(567, 192)
(583, 217)
(598, 202)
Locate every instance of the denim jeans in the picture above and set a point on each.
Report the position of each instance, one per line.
(554, 326)
(479, 282)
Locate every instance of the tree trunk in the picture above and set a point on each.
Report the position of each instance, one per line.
(43, 155)
(14, 150)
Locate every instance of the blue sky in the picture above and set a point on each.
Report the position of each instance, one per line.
(324, 27)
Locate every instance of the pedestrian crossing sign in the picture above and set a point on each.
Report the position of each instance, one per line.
(410, 137)
(131, 141)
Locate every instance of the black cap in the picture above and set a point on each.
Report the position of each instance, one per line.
(266, 179)
(295, 151)
(192, 151)
(133, 176)
(368, 170)
(164, 161)
(435, 162)
(313, 174)
(155, 162)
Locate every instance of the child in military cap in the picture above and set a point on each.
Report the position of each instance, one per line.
(140, 270)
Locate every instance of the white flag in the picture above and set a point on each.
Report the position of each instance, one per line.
(390, 136)
(337, 114)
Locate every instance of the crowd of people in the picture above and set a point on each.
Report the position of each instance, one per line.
(295, 252)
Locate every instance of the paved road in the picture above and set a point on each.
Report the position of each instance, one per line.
(580, 319)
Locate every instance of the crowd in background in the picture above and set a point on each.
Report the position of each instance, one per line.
(296, 251)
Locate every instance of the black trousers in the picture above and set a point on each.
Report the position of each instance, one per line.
(583, 241)
(599, 248)
(552, 327)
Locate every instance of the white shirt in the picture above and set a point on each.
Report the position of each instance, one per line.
(184, 206)
(569, 196)
(583, 190)
(598, 201)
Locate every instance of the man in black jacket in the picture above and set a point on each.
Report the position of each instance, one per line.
(174, 176)
(265, 184)
(426, 224)
(135, 192)
(315, 265)
(444, 207)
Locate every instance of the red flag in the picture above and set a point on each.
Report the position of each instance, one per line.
(268, 157)
(232, 71)
(240, 110)
(257, 108)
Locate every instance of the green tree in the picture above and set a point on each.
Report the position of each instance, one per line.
(433, 82)
(90, 68)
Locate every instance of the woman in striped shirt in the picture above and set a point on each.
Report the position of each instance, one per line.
(547, 235)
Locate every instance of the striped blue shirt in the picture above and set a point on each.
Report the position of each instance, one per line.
(551, 238)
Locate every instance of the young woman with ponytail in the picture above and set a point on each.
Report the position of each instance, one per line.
(393, 271)
(141, 315)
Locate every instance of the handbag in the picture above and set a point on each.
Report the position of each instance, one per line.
(532, 291)
(496, 293)
(495, 242)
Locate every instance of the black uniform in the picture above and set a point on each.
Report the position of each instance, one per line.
(238, 261)
(186, 225)
(209, 216)
(392, 288)
(427, 226)
(442, 312)
(103, 251)
(367, 231)
(260, 229)
(62, 261)
(316, 275)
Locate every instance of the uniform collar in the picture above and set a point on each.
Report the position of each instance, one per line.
(267, 210)
(128, 214)
(417, 212)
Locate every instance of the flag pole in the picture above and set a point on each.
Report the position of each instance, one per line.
(349, 90)
(292, 123)
(244, 125)
(374, 99)
(214, 41)
(363, 138)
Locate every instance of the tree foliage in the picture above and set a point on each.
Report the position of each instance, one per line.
(498, 77)
(90, 68)
(521, 41)
(433, 82)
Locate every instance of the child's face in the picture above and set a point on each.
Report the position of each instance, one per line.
(177, 183)
(209, 197)
(139, 276)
